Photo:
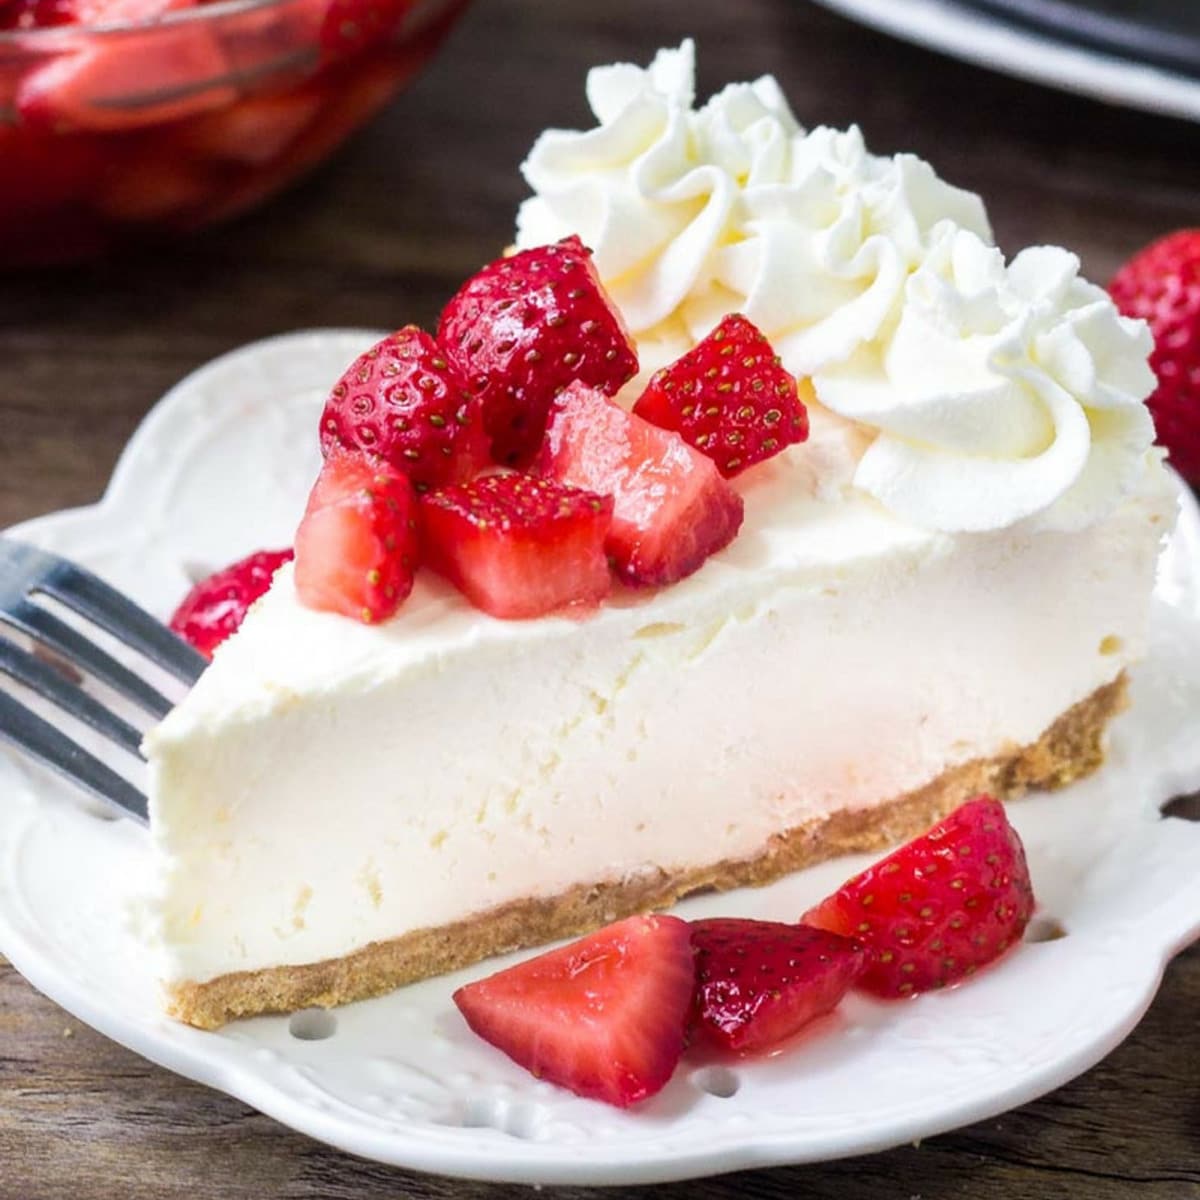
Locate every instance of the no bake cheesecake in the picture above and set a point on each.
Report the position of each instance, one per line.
(937, 594)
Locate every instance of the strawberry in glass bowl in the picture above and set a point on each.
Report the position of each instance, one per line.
(127, 118)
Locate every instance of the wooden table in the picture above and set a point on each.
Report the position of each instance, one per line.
(381, 237)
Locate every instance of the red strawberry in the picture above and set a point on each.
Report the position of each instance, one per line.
(37, 14)
(404, 403)
(758, 982)
(524, 328)
(941, 906)
(729, 397)
(350, 26)
(671, 510)
(214, 608)
(603, 1016)
(1162, 285)
(517, 546)
(357, 546)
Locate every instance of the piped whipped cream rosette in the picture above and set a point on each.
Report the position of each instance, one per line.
(695, 214)
(1003, 393)
(995, 393)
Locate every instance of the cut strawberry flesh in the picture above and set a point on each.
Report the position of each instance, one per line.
(357, 547)
(517, 546)
(759, 982)
(941, 906)
(603, 1017)
(671, 510)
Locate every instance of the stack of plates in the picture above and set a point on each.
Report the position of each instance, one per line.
(1140, 53)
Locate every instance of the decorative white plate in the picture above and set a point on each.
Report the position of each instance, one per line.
(221, 467)
(992, 42)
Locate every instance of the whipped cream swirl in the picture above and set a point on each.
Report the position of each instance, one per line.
(998, 393)
(1003, 393)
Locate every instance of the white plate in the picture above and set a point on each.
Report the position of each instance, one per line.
(221, 467)
(992, 42)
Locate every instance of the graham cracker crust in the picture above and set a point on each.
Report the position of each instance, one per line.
(1071, 748)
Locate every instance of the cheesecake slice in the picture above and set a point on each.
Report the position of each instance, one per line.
(938, 594)
(341, 808)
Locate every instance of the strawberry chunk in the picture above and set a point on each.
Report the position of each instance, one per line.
(941, 906)
(603, 1016)
(357, 546)
(517, 546)
(403, 402)
(758, 982)
(214, 608)
(729, 397)
(524, 328)
(351, 26)
(671, 508)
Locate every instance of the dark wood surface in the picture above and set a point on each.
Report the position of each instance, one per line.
(381, 236)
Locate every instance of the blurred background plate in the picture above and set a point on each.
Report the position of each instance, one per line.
(1143, 54)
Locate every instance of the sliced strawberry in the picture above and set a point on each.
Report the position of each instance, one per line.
(517, 546)
(350, 26)
(603, 1016)
(671, 509)
(37, 14)
(758, 982)
(403, 402)
(136, 80)
(357, 547)
(941, 906)
(524, 328)
(255, 130)
(729, 397)
(214, 608)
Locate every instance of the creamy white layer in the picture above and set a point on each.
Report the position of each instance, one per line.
(326, 784)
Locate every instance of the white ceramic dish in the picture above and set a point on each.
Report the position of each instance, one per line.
(221, 467)
(992, 42)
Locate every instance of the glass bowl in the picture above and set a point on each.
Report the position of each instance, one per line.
(113, 132)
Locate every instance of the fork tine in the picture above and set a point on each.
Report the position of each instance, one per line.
(49, 684)
(27, 731)
(94, 599)
(46, 627)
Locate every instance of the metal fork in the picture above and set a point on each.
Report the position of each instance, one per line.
(26, 574)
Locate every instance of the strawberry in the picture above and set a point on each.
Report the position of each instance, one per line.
(357, 546)
(37, 14)
(517, 546)
(729, 397)
(214, 608)
(403, 402)
(671, 508)
(603, 1016)
(758, 982)
(350, 26)
(1161, 284)
(941, 906)
(524, 328)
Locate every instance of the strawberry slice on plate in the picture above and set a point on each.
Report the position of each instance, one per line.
(671, 508)
(403, 402)
(357, 546)
(603, 1016)
(729, 397)
(758, 982)
(350, 26)
(215, 607)
(940, 907)
(517, 546)
(526, 326)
